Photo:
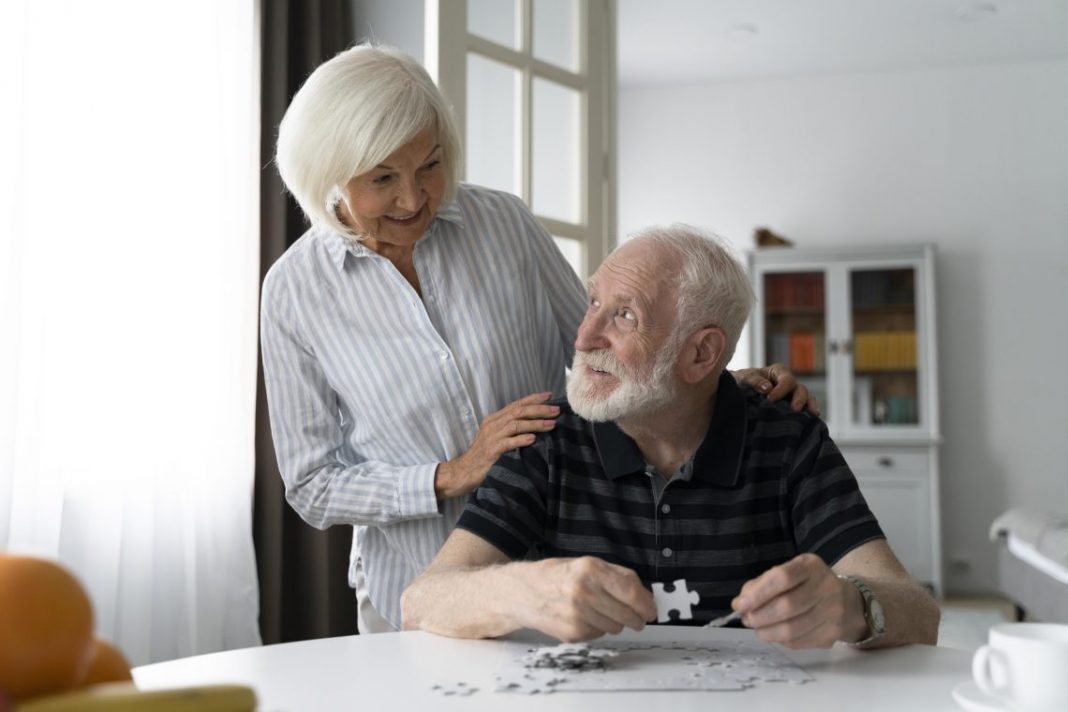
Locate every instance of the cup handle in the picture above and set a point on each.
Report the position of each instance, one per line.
(990, 671)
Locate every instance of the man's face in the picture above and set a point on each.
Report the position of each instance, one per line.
(625, 351)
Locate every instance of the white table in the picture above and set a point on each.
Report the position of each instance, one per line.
(394, 672)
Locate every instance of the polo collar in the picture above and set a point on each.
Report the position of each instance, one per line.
(339, 246)
(719, 457)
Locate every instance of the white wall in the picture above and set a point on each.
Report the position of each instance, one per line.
(972, 159)
(397, 23)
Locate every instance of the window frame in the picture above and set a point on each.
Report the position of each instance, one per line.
(448, 44)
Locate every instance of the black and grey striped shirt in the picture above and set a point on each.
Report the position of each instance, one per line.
(765, 485)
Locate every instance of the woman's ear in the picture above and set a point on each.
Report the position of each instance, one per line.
(702, 354)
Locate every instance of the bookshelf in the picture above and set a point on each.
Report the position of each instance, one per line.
(857, 326)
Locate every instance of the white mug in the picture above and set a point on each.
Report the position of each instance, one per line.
(1026, 666)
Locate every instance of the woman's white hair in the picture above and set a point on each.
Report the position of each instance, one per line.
(713, 287)
(349, 116)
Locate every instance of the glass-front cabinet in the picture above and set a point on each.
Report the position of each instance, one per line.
(858, 329)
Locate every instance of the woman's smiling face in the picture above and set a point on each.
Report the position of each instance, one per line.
(394, 202)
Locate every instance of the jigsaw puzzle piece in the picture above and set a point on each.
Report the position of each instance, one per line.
(678, 599)
(458, 689)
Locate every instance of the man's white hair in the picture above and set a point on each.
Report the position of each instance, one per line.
(349, 116)
(712, 286)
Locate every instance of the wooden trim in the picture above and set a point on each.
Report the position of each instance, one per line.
(446, 61)
(565, 229)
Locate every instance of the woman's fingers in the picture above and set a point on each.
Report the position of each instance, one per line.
(529, 412)
(512, 443)
(531, 426)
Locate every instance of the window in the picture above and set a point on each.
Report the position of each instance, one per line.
(129, 265)
(532, 85)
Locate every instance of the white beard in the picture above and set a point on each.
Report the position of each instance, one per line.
(634, 396)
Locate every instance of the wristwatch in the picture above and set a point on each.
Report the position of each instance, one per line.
(873, 612)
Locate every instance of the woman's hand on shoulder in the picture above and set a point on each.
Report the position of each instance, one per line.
(778, 382)
(511, 427)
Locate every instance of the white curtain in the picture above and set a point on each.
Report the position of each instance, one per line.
(128, 285)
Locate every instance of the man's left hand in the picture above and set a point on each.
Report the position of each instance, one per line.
(777, 382)
(802, 604)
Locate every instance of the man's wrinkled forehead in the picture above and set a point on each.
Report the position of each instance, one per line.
(635, 270)
(623, 293)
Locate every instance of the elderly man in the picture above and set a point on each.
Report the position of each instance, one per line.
(661, 467)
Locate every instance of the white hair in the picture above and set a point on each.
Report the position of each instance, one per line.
(350, 115)
(713, 288)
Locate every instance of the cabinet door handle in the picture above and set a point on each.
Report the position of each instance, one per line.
(885, 461)
(833, 346)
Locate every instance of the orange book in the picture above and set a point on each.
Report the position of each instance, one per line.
(802, 351)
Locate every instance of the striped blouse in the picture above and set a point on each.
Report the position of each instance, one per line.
(370, 387)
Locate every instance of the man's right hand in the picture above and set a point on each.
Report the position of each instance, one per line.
(583, 598)
(511, 427)
(472, 590)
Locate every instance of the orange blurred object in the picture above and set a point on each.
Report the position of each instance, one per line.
(106, 664)
(46, 627)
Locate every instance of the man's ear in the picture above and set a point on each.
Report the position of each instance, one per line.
(702, 354)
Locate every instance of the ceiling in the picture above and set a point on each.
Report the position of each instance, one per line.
(692, 41)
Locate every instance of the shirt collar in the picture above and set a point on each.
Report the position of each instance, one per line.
(450, 213)
(339, 246)
(719, 457)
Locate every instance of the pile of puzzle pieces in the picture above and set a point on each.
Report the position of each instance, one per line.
(568, 656)
(622, 666)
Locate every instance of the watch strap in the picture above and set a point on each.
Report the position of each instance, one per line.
(872, 612)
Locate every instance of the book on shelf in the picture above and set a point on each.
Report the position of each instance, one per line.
(793, 292)
(803, 352)
(901, 410)
(883, 288)
(778, 347)
(884, 351)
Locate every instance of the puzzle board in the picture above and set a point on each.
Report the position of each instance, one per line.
(634, 666)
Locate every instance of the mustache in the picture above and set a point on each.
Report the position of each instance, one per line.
(600, 360)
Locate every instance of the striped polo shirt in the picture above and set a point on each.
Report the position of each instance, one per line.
(766, 485)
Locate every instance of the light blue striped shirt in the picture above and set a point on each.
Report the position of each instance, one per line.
(369, 387)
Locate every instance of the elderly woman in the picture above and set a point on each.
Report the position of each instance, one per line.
(415, 332)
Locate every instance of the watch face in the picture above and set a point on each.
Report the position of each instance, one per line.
(878, 618)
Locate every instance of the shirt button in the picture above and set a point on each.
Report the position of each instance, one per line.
(443, 355)
(665, 508)
(667, 552)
